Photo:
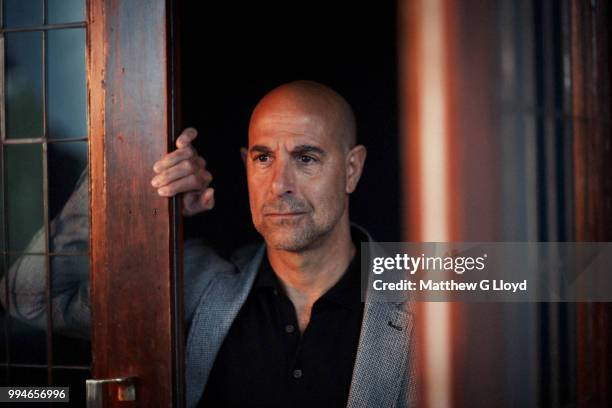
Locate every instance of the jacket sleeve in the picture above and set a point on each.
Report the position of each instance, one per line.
(27, 281)
(202, 265)
(70, 303)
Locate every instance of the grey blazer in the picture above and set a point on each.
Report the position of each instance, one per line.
(384, 374)
(215, 290)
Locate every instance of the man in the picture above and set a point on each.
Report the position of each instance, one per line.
(283, 324)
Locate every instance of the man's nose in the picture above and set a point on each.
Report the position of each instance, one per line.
(283, 178)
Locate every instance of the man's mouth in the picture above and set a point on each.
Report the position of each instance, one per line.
(291, 214)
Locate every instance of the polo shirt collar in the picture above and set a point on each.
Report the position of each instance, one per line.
(346, 292)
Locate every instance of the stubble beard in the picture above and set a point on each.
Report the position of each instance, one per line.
(294, 235)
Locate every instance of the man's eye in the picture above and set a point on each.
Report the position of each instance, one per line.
(307, 159)
(262, 158)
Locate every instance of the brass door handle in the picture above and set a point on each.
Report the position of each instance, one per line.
(126, 390)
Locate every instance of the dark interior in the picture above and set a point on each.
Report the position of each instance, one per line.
(232, 54)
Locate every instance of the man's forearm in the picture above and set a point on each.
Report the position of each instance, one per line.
(69, 273)
(27, 278)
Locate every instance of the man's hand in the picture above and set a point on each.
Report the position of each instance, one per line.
(183, 171)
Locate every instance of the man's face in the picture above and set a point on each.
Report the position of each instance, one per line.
(296, 175)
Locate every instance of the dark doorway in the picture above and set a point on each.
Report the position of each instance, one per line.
(233, 53)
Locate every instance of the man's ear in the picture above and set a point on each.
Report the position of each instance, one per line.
(355, 161)
(243, 154)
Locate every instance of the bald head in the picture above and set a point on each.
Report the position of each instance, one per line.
(302, 164)
(311, 100)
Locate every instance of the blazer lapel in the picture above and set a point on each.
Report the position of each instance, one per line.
(217, 310)
(382, 355)
(382, 359)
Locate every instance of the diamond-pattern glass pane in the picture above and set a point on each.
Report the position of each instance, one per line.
(28, 309)
(30, 376)
(24, 93)
(24, 194)
(66, 164)
(43, 96)
(70, 316)
(23, 13)
(66, 86)
(65, 11)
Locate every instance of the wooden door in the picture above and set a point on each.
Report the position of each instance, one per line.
(135, 278)
(504, 114)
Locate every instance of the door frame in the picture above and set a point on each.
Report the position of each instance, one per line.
(136, 254)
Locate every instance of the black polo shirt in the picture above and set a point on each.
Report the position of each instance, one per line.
(264, 361)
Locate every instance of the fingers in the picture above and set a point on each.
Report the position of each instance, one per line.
(208, 198)
(171, 159)
(184, 151)
(183, 171)
(186, 137)
(186, 181)
(197, 202)
(194, 165)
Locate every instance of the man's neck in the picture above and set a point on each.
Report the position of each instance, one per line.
(307, 275)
